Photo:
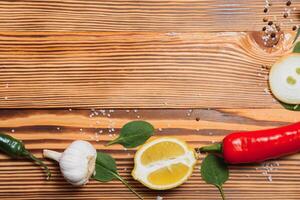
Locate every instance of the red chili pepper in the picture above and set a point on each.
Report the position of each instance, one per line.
(257, 146)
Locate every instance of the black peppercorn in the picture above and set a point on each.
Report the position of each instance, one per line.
(285, 15)
(294, 28)
(270, 23)
(265, 10)
(273, 34)
(288, 3)
(264, 28)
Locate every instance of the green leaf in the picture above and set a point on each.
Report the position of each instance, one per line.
(106, 170)
(215, 171)
(134, 134)
(293, 107)
(297, 35)
(297, 48)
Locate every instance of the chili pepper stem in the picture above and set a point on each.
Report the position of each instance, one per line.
(39, 162)
(215, 148)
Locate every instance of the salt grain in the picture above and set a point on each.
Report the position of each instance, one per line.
(12, 130)
(159, 198)
(270, 178)
(266, 91)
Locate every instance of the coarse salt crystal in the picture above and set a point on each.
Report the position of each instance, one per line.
(159, 198)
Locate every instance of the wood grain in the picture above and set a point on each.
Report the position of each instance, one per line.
(142, 15)
(129, 69)
(55, 129)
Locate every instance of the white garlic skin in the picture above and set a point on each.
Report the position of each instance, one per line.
(77, 162)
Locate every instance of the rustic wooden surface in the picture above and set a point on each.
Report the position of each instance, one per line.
(55, 129)
(139, 15)
(129, 54)
(154, 54)
(130, 69)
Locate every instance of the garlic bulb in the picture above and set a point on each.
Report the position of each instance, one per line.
(77, 162)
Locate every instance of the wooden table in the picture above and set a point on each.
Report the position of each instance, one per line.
(63, 62)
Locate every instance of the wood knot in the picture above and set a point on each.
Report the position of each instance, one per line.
(268, 40)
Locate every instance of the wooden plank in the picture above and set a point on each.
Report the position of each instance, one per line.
(158, 70)
(55, 129)
(143, 15)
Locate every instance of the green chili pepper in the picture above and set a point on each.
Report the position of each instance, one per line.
(16, 149)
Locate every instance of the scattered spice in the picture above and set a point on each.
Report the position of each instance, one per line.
(265, 19)
(159, 198)
(294, 28)
(273, 34)
(288, 3)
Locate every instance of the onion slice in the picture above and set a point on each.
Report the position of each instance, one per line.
(284, 79)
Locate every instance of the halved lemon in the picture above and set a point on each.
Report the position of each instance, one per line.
(163, 163)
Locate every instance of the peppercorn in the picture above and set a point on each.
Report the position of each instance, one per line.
(285, 15)
(294, 28)
(277, 27)
(265, 19)
(270, 23)
(264, 28)
(265, 10)
(197, 119)
(273, 34)
(288, 3)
